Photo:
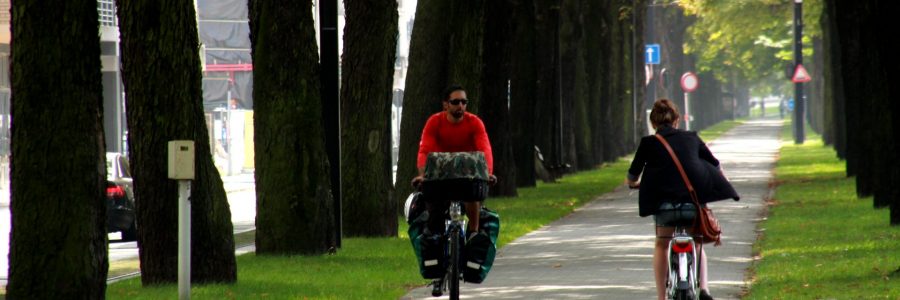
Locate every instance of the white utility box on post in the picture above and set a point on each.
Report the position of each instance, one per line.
(181, 160)
(181, 168)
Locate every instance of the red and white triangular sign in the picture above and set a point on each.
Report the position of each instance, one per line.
(801, 75)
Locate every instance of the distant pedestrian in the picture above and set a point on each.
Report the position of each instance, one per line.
(781, 108)
(662, 185)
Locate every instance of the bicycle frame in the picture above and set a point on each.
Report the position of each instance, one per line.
(455, 228)
(683, 267)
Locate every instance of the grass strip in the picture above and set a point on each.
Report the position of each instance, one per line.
(820, 240)
(715, 131)
(385, 268)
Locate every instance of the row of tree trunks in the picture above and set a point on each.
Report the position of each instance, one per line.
(872, 154)
(58, 237)
(294, 206)
(161, 74)
(558, 68)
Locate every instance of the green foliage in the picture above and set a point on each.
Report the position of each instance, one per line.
(820, 241)
(749, 39)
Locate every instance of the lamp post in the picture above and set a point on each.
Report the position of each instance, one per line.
(799, 103)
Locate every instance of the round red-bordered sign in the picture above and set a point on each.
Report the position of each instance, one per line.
(689, 82)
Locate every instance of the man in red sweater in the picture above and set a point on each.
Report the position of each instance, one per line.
(455, 130)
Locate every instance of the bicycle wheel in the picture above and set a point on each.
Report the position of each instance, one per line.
(454, 263)
(683, 295)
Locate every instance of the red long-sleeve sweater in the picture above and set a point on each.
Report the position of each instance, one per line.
(441, 135)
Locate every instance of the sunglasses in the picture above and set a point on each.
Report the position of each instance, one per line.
(458, 101)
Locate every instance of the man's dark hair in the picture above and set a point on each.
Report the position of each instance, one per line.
(452, 89)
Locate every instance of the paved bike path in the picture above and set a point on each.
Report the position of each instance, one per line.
(604, 250)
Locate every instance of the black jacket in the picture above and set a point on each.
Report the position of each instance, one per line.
(662, 182)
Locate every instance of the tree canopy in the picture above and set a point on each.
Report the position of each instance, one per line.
(749, 39)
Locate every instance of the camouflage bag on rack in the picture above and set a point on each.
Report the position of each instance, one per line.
(455, 176)
(456, 165)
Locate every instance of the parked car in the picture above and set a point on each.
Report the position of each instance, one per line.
(120, 213)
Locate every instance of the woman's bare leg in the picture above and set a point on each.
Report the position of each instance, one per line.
(661, 260)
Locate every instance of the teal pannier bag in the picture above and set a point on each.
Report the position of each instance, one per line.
(481, 249)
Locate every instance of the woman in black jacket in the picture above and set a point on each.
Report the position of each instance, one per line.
(662, 186)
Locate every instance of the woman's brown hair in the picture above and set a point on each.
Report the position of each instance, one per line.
(664, 112)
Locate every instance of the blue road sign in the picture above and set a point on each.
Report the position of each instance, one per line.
(651, 54)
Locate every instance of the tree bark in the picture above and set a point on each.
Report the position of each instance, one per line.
(465, 56)
(596, 30)
(370, 41)
(834, 92)
(425, 80)
(494, 108)
(572, 81)
(522, 92)
(294, 206)
(161, 75)
(58, 214)
(547, 96)
(439, 55)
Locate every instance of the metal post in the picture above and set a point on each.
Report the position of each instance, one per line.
(227, 124)
(184, 240)
(635, 135)
(331, 106)
(687, 112)
(798, 59)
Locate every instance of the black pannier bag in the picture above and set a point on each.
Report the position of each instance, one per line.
(429, 248)
(481, 249)
(455, 176)
(455, 189)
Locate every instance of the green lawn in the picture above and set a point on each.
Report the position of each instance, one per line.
(385, 268)
(820, 241)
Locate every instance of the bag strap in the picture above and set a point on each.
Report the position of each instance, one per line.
(687, 182)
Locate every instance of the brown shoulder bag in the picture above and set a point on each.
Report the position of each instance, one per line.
(706, 224)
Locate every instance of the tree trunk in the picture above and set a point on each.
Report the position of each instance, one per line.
(547, 96)
(494, 108)
(161, 75)
(294, 206)
(522, 92)
(595, 29)
(834, 92)
(465, 49)
(572, 82)
(58, 214)
(439, 55)
(370, 41)
(626, 18)
(425, 80)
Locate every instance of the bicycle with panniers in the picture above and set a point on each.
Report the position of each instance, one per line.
(448, 256)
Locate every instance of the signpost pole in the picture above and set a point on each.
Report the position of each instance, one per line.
(689, 83)
(687, 112)
(798, 60)
(184, 240)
